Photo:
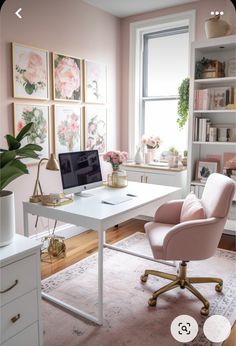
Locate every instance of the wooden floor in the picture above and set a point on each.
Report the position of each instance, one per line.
(85, 244)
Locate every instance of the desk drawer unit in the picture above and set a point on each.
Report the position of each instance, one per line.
(18, 315)
(17, 279)
(20, 298)
(28, 337)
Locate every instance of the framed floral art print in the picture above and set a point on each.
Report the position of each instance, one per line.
(95, 128)
(67, 128)
(30, 72)
(67, 78)
(39, 115)
(95, 82)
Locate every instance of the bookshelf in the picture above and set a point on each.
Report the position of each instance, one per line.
(205, 144)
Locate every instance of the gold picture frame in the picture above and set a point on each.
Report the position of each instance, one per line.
(95, 128)
(30, 71)
(71, 91)
(24, 113)
(95, 82)
(66, 118)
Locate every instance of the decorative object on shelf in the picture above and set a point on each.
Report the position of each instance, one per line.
(52, 165)
(183, 103)
(39, 114)
(67, 128)
(231, 68)
(152, 143)
(30, 72)
(67, 81)
(138, 157)
(185, 158)
(204, 169)
(208, 68)
(11, 167)
(118, 178)
(216, 27)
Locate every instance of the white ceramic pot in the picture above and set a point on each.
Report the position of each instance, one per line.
(216, 27)
(7, 217)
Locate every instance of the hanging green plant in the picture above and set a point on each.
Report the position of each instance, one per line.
(183, 103)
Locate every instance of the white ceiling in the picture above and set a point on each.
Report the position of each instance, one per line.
(124, 8)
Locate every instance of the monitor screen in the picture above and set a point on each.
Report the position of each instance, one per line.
(80, 170)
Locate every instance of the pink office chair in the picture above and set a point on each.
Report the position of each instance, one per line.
(187, 230)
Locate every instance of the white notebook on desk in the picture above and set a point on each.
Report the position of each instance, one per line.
(116, 200)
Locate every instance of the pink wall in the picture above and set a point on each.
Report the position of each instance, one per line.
(65, 26)
(203, 9)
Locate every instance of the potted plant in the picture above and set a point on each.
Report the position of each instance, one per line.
(185, 158)
(11, 167)
(183, 103)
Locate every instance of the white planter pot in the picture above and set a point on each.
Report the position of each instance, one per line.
(7, 217)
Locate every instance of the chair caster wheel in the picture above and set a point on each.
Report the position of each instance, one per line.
(219, 287)
(143, 278)
(152, 302)
(204, 311)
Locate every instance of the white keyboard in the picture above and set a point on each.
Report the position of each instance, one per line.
(116, 200)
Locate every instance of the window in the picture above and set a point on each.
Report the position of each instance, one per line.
(165, 65)
(162, 46)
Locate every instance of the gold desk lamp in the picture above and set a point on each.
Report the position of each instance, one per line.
(52, 165)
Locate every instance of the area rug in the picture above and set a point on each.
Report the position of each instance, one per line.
(128, 318)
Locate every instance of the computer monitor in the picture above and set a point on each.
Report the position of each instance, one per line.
(80, 171)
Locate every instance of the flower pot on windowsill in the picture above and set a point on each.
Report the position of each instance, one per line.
(7, 217)
(184, 161)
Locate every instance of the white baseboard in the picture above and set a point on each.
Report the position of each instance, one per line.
(66, 231)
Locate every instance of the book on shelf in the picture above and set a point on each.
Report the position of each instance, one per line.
(205, 131)
(214, 98)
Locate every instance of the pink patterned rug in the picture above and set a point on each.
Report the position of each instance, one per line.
(128, 319)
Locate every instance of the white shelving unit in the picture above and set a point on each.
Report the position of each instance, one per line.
(222, 49)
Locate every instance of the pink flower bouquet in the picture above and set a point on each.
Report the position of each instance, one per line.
(116, 158)
(151, 142)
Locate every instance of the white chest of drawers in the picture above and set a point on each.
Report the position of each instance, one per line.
(20, 293)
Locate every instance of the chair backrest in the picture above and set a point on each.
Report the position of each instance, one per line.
(218, 195)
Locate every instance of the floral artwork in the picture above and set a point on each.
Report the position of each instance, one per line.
(95, 129)
(95, 82)
(67, 128)
(67, 78)
(30, 72)
(39, 115)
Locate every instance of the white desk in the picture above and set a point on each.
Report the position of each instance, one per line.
(91, 213)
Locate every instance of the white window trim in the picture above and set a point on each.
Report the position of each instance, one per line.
(137, 30)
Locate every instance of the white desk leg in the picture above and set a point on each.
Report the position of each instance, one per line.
(26, 222)
(100, 275)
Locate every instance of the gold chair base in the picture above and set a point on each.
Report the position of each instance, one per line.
(183, 282)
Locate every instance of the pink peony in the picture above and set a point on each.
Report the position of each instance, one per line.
(35, 71)
(67, 77)
(20, 125)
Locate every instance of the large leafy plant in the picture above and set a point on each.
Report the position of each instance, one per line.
(183, 103)
(11, 166)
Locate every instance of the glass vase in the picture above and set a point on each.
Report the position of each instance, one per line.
(118, 178)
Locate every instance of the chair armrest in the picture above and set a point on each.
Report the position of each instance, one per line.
(193, 240)
(169, 212)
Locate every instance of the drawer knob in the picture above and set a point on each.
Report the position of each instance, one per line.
(9, 288)
(15, 318)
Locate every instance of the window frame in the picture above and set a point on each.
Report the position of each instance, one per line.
(144, 97)
(137, 31)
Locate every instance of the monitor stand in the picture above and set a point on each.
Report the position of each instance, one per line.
(83, 194)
